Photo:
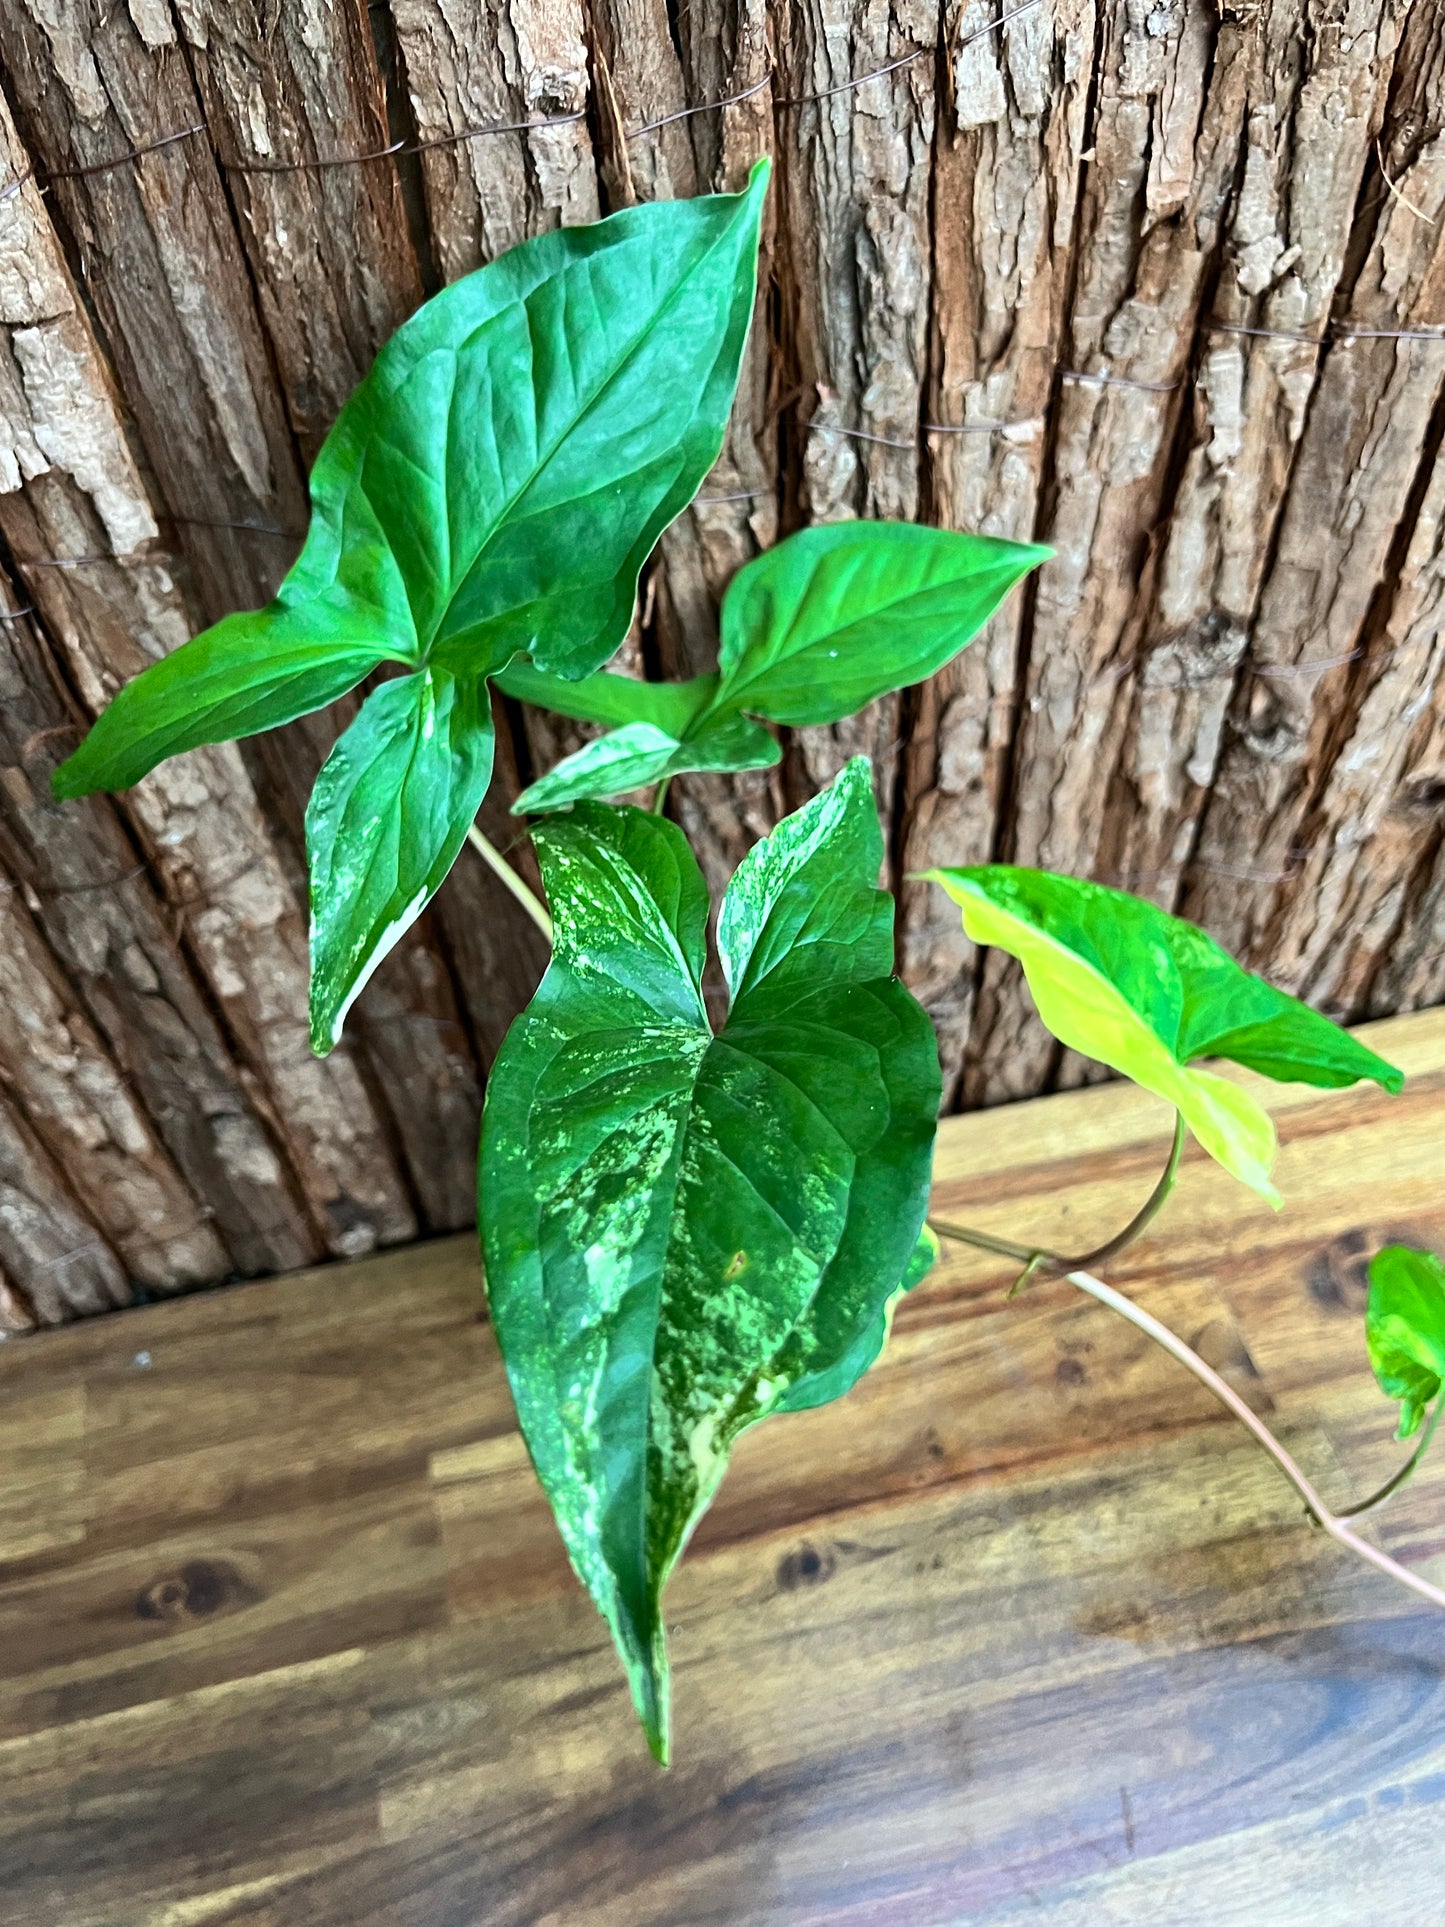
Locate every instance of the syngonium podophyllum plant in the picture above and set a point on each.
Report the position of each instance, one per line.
(691, 1221)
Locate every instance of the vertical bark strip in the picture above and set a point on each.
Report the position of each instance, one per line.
(1375, 828)
(1008, 166)
(58, 1075)
(74, 492)
(68, 1268)
(1315, 102)
(164, 268)
(289, 108)
(290, 97)
(1369, 426)
(857, 187)
(471, 68)
(93, 900)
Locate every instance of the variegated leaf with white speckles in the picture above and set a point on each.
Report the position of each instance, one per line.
(681, 1226)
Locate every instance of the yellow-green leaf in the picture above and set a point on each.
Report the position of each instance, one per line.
(1120, 980)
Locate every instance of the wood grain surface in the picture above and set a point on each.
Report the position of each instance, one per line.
(1021, 1630)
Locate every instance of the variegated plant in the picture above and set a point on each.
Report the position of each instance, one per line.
(692, 1220)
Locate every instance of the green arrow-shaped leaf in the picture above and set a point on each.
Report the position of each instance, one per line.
(640, 753)
(1147, 994)
(493, 485)
(389, 813)
(679, 1226)
(1405, 1329)
(824, 623)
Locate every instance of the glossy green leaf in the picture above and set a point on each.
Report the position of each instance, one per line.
(842, 1351)
(639, 754)
(1148, 994)
(217, 687)
(388, 815)
(824, 623)
(1405, 1329)
(493, 485)
(679, 1227)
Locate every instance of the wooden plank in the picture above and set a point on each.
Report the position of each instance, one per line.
(1021, 1629)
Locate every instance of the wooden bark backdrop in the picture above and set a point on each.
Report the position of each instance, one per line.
(1161, 282)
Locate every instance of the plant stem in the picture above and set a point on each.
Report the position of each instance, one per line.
(1143, 1217)
(1394, 1483)
(1039, 1258)
(500, 867)
(1332, 1523)
(983, 1241)
(659, 795)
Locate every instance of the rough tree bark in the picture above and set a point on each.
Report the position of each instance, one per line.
(1161, 283)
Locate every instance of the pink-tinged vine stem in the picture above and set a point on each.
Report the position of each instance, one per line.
(1230, 1399)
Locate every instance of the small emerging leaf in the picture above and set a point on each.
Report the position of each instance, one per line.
(389, 813)
(1405, 1329)
(640, 754)
(1146, 993)
(681, 1227)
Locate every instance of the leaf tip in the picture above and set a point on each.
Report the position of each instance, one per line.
(651, 1696)
(1261, 1183)
(325, 1032)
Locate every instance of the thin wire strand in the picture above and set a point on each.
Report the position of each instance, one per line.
(1083, 380)
(235, 522)
(907, 60)
(1389, 334)
(703, 107)
(860, 435)
(1267, 334)
(99, 167)
(394, 148)
(981, 428)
